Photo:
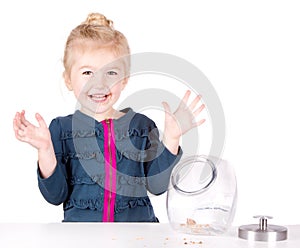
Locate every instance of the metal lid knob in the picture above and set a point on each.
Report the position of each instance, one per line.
(263, 231)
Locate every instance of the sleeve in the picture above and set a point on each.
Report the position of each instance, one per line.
(55, 188)
(160, 165)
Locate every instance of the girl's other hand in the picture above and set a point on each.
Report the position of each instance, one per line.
(37, 136)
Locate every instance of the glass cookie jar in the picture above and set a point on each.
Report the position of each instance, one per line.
(201, 198)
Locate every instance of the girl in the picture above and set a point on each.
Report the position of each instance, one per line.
(100, 162)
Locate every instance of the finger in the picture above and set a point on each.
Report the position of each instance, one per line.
(198, 123)
(40, 120)
(184, 100)
(199, 110)
(17, 124)
(20, 134)
(16, 120)
(195, 102)
(166, 108)
(23, 119)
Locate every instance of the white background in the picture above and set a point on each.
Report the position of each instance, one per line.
(249, 50)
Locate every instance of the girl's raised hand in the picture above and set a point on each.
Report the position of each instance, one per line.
(37, 136)
(183, 119)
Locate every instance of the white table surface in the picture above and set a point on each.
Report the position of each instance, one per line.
(73, 235)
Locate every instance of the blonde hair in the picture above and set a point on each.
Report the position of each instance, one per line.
(99, 29)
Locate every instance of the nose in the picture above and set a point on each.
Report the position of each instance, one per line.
(103, 80)
(97, 79)
(97, 85)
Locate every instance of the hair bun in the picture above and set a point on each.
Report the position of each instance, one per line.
(98, 19)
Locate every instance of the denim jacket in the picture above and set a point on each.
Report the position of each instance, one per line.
(105, 169)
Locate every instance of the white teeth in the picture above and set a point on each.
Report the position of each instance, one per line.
(98, 97)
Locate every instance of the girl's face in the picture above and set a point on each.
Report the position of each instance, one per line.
(97, 78)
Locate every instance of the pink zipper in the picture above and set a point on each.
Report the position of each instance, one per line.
(110, 171)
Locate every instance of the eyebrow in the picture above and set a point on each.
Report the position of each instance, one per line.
(104, 67)
(86, 66)
(113, 67)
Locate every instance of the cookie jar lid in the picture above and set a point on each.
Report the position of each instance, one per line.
(262, 231)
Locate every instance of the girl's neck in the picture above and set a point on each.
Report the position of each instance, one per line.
(111, 114)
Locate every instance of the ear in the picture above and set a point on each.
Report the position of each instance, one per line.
(124, 82)
(67, 79)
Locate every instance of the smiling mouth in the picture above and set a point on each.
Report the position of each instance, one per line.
(99, 98)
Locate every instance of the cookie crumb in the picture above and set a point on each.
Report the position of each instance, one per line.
(190, 222)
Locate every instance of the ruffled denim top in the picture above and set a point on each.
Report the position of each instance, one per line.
(105, 169)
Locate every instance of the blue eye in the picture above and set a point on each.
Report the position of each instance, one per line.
(112, 73)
